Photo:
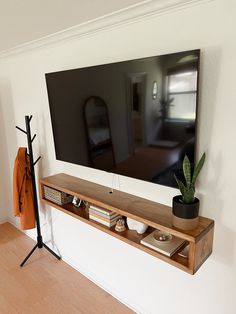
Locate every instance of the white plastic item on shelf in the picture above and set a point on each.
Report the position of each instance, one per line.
(136, 225)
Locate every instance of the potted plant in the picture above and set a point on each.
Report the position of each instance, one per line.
(186, 206)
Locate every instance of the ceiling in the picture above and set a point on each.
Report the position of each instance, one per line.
(22, 21)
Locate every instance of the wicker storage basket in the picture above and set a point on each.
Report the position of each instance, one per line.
(56, 196)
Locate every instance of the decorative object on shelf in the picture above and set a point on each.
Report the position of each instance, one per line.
(55, 196)
(76, 201)
(168, 247)
(162, 236)
(136, 225)
(185, 207)
(86, 205)
(120, 225)
(184, 252)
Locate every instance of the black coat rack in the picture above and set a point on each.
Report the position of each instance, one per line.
(40, 244)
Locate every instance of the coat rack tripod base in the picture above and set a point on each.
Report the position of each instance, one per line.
(40, 244)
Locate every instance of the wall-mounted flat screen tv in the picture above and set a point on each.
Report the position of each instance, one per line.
(135, 118)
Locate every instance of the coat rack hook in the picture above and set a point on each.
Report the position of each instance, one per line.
(33, 138)
(21, 130)
(37, 160)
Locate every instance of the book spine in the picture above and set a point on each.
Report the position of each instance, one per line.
(93, 211)
(104, 218)
(103, 211)
(108, 224)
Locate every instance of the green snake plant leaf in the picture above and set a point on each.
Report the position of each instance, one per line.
(188, 196)
(187, 171)
(182, 187)
(198, 169)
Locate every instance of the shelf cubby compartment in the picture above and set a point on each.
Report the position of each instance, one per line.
(155, 215)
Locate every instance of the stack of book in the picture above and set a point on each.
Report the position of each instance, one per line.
(103, 216)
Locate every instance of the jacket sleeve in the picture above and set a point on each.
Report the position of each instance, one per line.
(16, 190)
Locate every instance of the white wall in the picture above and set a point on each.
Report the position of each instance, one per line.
(5, 135)
(3, 188)
(145, 283)
(23, 19)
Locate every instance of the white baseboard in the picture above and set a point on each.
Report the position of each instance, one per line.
(88, 274)
(17, 226)
(100, 283)
(3, 221)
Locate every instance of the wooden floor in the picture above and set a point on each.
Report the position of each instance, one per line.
(46, 285)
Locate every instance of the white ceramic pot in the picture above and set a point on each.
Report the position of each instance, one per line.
(136, 225)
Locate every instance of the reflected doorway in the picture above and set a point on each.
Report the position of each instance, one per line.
(136, 86)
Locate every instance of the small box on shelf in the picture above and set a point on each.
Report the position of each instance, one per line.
(57, 196)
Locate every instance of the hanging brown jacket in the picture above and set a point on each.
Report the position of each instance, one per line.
(23, 199)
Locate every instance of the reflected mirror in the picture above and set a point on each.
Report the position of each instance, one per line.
(98, 133)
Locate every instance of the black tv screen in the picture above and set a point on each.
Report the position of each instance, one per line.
(135, 118)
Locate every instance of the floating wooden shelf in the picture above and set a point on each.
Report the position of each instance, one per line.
(155, 215)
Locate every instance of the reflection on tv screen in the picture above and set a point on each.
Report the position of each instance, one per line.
(135, 118)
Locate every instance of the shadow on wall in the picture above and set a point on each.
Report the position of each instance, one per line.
(210, 67)
(214, 187)
(7, 145)
(224, 238)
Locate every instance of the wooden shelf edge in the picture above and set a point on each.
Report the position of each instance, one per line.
(178, 233)
(196, 269)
